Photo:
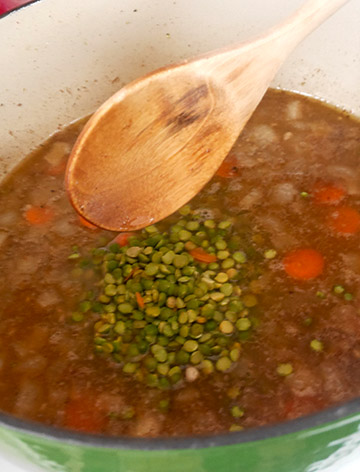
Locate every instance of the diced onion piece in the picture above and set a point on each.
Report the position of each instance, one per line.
(304, 382)
(213, 188)
(263, 135)
(235, 185)
(283, 193)
(251, 199)
(294, 110)
(191, 374)
(280, 237)
(8, 218)
(64, 228)
(148, 425)
(57, 152)
(48, 298)
(347, 175)
(29, 397)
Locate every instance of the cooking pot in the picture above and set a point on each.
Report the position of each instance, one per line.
(59, 60)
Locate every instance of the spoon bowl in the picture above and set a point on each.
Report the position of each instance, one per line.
(153, 145)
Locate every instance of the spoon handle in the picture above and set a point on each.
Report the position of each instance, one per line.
(253, 64)
(286, 35)
(307, 18)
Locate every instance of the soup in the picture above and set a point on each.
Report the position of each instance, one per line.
(240, 310)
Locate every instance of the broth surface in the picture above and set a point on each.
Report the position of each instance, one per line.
(285, 186)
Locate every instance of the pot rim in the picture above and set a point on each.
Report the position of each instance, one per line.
(324, 420)
(341, 414)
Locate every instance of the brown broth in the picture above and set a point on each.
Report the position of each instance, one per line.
(289, 145)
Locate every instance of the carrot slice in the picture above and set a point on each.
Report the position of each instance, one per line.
(123, 238)
(229, 168)
(139, 300)
(327, 194)
(86, 223)
(202, 256)
(81, 414)
(303, 264)
(345, 220)
(38, 215)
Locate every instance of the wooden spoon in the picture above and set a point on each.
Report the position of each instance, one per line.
(153, 145)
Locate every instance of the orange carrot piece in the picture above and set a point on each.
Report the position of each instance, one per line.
(345, 220)
(133, 273)
(81, 414)
(123, 238)
(202, 256)
(86, 223)
(139, 300)
(303, 264)
(327, 194)
(229, 168)
(38, 215)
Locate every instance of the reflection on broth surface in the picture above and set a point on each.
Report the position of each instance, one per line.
(240, 310)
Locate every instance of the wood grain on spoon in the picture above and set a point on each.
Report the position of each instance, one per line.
(153, 145)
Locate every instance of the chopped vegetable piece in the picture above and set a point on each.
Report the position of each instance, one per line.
(344, 220)
(191, 374)
(229, 167)
(201, 255)
(327, 194)
(123, 238)
(304, 264)
(82, 414)
(140, 300)
(39, 215)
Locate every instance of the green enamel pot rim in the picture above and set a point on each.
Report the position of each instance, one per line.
(338, 415)
(329, 418)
